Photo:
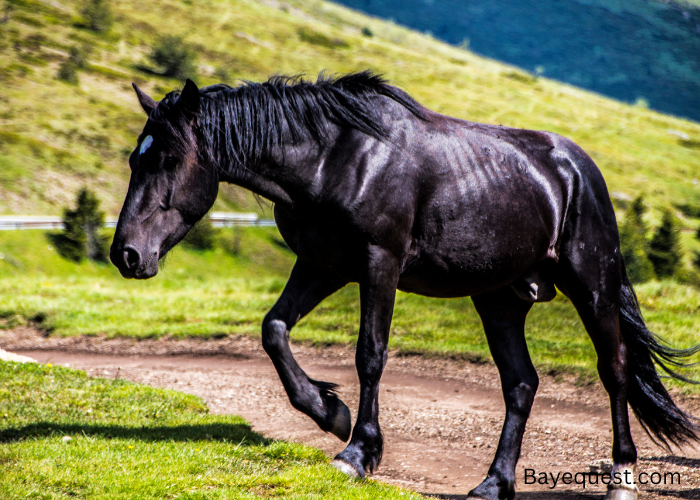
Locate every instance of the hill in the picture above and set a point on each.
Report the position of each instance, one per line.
(56, 136)
(644, 50)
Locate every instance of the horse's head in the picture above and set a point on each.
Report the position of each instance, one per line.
(171, 187)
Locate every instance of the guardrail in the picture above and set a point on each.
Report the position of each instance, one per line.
(218, 219)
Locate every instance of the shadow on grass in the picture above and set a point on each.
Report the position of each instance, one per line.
(238, 433)
(534, 495)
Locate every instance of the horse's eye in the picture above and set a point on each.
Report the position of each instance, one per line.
(170, 162)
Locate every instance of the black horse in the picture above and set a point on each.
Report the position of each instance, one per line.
(371, 187)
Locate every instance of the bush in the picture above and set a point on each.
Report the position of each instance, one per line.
(97, 15)
(68, 72)
(634, 244)
(79, 56)
(77, 59)
(174, 57)
(82, 234)
(665, 248)
(202, 236)
(367, 32)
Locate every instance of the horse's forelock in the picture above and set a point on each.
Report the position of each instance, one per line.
(171, 126)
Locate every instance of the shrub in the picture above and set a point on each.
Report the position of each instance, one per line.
(367, 32)
(97, 15)
(82, 234)
(202, 236)
(174, 57)
(79, 56)
(665, 248)
(634, 244)
(77, 59)
(68, 72)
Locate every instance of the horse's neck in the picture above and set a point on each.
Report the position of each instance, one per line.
(289, 171)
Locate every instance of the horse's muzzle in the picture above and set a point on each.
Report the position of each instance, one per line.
(131, 264)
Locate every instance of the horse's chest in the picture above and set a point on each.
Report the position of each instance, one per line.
(324, 242)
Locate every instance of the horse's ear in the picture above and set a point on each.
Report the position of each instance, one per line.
(147, 103)
(189, 97)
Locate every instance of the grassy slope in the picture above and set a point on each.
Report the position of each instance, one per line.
(130, 441)
(55, 137)
(213, 294)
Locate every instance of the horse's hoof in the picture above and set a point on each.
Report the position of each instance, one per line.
(492, 488)
(621, 494)
(342, 424)
(476, 495)
(345, 468)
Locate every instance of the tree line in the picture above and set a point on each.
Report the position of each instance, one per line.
(659, 256)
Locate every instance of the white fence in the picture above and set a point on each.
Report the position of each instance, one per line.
(218, 219)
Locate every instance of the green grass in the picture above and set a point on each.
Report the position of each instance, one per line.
(129, 441)
(55, 137)
(215, 294)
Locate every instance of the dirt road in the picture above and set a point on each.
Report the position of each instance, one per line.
(441, 418)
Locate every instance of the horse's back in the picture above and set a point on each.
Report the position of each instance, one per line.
(494, 206)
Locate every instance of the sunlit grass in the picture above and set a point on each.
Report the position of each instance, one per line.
(214, 294)
(65, 435)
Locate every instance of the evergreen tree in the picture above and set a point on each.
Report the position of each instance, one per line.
(174, 56)
(82, 235)
(696, 256)
(665, 248)
(634, 244)
(98, 15)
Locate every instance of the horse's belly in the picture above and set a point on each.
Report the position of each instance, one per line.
(453, 266)
(435, 280)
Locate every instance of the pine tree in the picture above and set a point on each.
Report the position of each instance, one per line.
(665, 248)
(634, 244)
(696, 255)
(174, 56)
(82, 236)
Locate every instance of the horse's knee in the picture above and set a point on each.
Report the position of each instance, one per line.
(274, 335)
(522, 396)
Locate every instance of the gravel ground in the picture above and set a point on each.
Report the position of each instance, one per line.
(441, 418)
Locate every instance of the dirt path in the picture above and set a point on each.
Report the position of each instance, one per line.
(441, 418)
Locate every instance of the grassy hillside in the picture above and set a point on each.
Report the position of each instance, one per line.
(218, 293)
(55, 136)
(66, 435)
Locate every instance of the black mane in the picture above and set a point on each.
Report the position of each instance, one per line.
(238, 126)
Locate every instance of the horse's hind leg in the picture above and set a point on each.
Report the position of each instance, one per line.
(503, 314)
(306, 288)
(591, 277)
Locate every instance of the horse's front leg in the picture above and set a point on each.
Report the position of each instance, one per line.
(377, 292)
(306, 288)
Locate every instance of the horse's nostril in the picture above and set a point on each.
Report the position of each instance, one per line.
(132, 259)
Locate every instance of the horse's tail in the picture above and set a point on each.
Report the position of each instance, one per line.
(652, 404)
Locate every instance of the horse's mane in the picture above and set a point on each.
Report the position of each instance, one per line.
(238, 126)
